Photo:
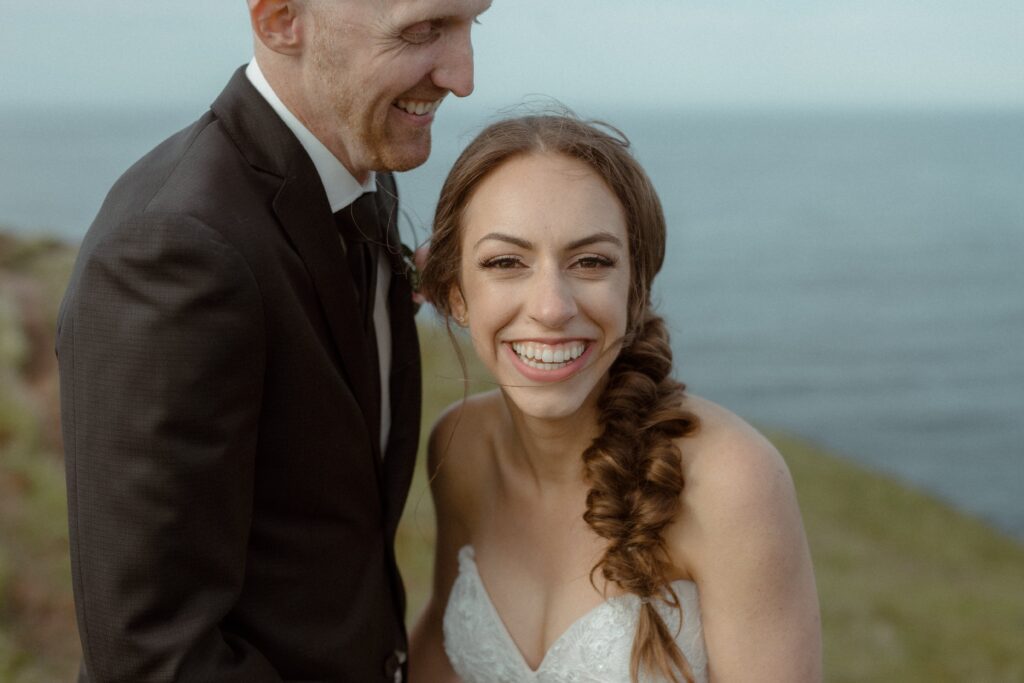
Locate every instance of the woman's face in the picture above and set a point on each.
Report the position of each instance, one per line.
(545, 280)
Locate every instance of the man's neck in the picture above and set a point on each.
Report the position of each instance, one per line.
(341, 186)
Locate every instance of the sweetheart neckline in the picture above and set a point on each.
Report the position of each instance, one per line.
(470, 554)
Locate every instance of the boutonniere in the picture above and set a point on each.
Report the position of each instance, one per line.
(412, 261)
(410, 268)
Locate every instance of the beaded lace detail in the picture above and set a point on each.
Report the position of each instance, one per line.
(596, 648)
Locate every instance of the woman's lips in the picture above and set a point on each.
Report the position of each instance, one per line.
(549, 362)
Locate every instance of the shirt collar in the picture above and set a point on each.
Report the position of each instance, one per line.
(341, 188)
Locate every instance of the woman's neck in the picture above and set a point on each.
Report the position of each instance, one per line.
(550, 451)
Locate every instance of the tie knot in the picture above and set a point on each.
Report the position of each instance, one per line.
(358, 222)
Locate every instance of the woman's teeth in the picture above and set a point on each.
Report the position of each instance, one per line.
(547, 356)
(418, 107)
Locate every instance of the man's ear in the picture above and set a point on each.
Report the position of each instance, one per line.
(276, 24)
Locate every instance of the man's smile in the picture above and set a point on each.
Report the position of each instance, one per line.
(418, 107)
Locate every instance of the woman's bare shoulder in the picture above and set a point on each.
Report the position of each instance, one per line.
(736, 485)
(460, 452)
(739, 535)
(467, 427)
(725, 446)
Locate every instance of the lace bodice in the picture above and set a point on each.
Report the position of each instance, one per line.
(596, 648)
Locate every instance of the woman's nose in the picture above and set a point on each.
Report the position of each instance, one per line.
(552, 300)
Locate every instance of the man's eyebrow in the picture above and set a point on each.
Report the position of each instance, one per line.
(502, 237)
(455, 13)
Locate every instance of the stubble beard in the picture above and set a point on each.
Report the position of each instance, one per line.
(361, 128)
(403, 157)
(357, 117)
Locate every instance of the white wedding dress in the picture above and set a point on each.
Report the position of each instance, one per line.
(596, 648)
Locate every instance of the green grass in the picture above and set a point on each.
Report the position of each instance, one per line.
(37, 632)
(911, 591)
(38, 640)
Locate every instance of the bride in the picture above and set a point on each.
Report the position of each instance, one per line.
(595, 522)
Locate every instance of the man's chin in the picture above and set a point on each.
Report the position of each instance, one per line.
(406, 163)
(407, 156)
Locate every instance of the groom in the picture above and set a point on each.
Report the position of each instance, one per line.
(240, 376)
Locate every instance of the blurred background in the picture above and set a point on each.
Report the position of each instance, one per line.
(844, 186)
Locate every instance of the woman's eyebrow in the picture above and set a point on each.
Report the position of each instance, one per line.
(596, 238)
(502, 237)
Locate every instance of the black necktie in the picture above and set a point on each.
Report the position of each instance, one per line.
(357, 223)
(359, 228)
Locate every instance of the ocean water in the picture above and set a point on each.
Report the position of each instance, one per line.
(854, 277)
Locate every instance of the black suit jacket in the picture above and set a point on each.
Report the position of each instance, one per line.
(231, 516)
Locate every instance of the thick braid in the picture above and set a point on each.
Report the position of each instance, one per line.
(634, 470)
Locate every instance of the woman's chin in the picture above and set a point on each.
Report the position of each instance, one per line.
(550, 403)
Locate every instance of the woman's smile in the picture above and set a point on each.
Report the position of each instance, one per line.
(550, 362)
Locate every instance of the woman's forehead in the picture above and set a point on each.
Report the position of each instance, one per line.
(543, 197)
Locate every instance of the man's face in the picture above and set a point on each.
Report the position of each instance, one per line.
(374, 72)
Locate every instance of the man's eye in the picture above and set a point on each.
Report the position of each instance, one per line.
(420, 33)
(501, 263)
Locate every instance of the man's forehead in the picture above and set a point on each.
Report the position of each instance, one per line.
(430, 9)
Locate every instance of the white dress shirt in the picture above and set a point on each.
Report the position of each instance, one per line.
(342, 189)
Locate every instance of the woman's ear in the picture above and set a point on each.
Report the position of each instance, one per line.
(276, 24)
(457, 305)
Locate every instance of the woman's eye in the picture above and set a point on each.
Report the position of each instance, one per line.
(593, 262)
(502, 263)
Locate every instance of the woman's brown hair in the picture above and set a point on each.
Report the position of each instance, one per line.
(633, 468)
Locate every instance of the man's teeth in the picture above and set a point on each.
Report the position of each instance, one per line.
(418, 107)
(547, 356)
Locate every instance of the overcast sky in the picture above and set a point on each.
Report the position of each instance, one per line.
(706, 53)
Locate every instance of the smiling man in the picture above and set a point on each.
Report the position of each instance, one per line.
(239, 366)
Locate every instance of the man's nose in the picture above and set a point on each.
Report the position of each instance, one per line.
(454, 70)
(552, 301)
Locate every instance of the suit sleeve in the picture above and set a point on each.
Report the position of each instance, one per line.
(161, 349)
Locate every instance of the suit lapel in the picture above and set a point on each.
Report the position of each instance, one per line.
(316, 240)
(405, 401)
(301, 207)
(405, 381)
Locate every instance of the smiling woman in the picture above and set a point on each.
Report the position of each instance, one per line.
(595, 521)
(552, 279)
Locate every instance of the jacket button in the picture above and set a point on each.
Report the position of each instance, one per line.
(393, 665)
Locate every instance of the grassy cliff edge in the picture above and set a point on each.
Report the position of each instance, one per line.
(911, 590)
